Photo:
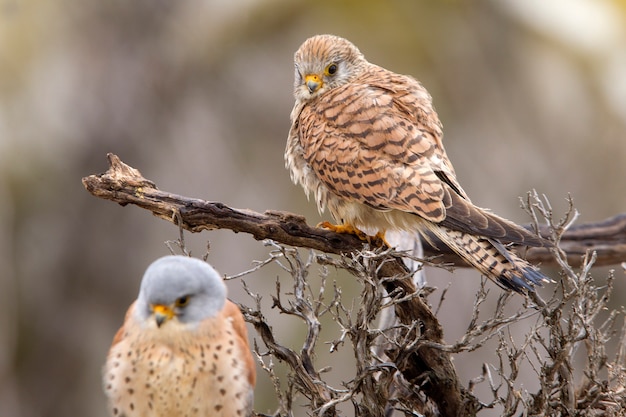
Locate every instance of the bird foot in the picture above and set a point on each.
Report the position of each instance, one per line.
(378, 240)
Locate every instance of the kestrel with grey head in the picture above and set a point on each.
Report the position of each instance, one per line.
(183, 348)
(367, 144)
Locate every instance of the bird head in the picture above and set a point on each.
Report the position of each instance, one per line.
(324, 62)
(180, 288)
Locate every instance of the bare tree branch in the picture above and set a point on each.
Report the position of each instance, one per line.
(125, 185)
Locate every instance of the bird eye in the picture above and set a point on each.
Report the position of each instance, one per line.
(182, 301)
(331, 69)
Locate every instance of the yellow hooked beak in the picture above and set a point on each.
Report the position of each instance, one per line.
(162, 313)
(313, 82)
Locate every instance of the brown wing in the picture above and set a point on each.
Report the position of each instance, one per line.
(463, 216)
(364, 145)
(378, 141)
(232, 312)
(119, 335)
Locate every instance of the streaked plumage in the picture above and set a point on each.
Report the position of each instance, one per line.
(367, 143)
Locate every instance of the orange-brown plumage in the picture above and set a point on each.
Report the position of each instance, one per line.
(367, 143)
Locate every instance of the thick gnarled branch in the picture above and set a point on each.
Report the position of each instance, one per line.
(125, 185)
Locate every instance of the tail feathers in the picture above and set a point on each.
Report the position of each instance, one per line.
(493, 260)
(522, 274)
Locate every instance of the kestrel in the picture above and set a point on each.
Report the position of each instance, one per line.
(183, 348)
(367, 143)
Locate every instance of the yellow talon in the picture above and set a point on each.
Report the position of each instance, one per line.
(344, 228)
(377, 240)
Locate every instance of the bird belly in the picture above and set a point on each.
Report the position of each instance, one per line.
(371, 220)
(152, 378)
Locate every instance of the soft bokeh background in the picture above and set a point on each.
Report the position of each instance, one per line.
(197, 93)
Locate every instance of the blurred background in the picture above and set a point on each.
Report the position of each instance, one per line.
(197, 94)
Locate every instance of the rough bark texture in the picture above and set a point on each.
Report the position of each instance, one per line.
(125, 185)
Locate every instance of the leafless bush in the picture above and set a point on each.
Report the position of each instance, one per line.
(575, 318)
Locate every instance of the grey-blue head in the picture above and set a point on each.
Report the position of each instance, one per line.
(180, 287)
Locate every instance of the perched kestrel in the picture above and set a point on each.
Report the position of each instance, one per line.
(367, 143)
(183, 348)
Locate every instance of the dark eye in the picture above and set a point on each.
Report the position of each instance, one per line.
(331, 69)
(182, 301)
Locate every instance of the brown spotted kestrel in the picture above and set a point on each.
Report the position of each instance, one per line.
(183, 347)
(367, 143)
